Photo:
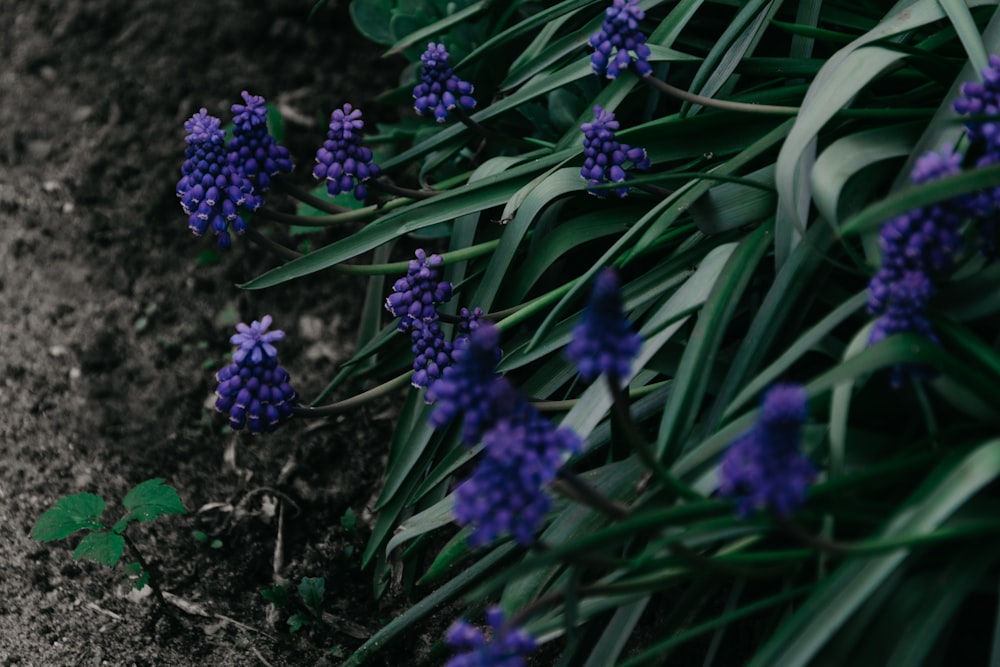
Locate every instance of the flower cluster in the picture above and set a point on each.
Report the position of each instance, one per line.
(253, 151)
(212, 191)
(522, 451)
(254, 389)
(917, 246)
(504, 646)
(982, 100)
(604, 157)
(440, 90)
(343, 162)
(764, 468)
(603, 341)
(619, 41)
(416, 295)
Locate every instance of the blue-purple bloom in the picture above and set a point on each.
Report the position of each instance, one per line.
(343, 161)
(503, 646)
(431, 352)
(505, 495)
(605, 158)
(440, 90)
(764, 468)
(211, 190)
(415, 296)
(472, 387)
(603, 341)
(619, 41)
(253, 151)
(982, 99)
(917, 247)
(254, 390)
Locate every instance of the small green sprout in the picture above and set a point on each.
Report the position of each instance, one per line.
(145, 502)
(311, 591)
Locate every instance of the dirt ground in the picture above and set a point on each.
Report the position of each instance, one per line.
(112, 331)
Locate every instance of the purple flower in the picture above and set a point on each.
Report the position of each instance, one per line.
(342, 161)
(472, 387)
(505, 495)
(917, 246)
(253, 151)
(604, 157)
(603, 341)
(416, 294)
(503, 646)
(254, 389)
(619, 41)
(431, 352)
(763, 469)
(211, 191)
(440, 90)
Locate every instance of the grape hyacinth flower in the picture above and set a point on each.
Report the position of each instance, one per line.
(763, 469)
(254, 390)
(503, 646)
(506, 492)
(343, 161)
(253, 151)
(917, 246)
(440, 90)
(603, 341)
(431, 352)
(415, 295)
(604, 157)
(211, 190)
(471, 386)
(619, 41)
(982, 99)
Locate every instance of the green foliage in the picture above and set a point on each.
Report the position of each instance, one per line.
(310, 595)
(745, 252)
(145, 502)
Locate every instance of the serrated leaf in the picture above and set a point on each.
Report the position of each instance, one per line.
(102, 547)
(70, 514)
(149, 500)
(311, 590)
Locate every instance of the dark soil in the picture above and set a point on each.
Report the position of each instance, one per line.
(112, 331)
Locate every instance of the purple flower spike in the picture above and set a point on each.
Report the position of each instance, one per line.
(619, 41)
(603, 341)
(605, 158)
(343, 162)
(763, 469)
(471, 386)
(505, 495)
(431, 352)
(440, 90)
(253, 151)
(917, 247)
(211, 190)
(254, 390)
(503, 646)
(415, 295)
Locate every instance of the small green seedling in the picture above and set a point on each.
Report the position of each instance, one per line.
(199, 536)
(311, 591)
(82, 511)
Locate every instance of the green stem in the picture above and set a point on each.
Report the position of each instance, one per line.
(306, 196)
(354, 401)
(145, 568)
(266, 243)
(574, 486)
(390, 188)
(726, 105)
(620, 411)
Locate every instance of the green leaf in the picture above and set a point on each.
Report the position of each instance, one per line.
(103, 547)
(276, 595)
(349, 520)
(149, 500)
(311, 590)
(371, 18)
(430, 32)
(70, 514)
(298, 620)
(798, 640)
